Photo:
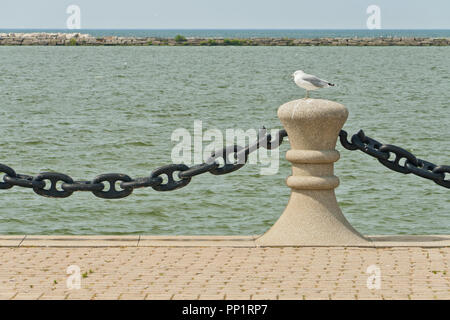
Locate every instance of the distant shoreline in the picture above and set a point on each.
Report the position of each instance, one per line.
(80, 39)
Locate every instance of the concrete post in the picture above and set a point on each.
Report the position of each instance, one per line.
(312, 216)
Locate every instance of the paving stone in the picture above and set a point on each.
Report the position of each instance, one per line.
(224, 273)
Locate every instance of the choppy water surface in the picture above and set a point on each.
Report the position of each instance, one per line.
(90, 110)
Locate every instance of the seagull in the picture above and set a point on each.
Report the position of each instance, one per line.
(309, 82)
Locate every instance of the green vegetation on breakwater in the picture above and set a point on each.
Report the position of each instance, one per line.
(78, 39)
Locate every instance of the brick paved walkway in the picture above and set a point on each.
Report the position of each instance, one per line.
(224, 272)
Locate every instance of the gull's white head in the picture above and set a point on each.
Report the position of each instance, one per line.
(298, 72)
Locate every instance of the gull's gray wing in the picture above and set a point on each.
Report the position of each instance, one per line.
(316, 81)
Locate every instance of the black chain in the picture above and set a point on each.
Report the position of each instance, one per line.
(383, 153)
(121, 185)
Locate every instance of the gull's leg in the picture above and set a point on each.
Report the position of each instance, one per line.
(307, 94)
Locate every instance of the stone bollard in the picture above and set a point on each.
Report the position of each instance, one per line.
(312, 216)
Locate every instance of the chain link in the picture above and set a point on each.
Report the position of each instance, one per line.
(117, 186)
(180, 175)
(383, 153)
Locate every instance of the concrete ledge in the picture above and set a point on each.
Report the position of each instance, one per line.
(377, 241)
(197, 241)
(79, 241)
(428, 241)
(11, 241)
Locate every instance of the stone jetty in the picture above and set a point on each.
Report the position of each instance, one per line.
(79, 39)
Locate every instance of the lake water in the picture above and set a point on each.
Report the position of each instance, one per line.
(90, 110)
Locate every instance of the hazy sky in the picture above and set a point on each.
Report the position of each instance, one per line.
(225, 14)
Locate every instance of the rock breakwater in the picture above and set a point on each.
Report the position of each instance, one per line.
(79, 39)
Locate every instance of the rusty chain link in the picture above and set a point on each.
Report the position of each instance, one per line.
(122, 185)
(383, 153)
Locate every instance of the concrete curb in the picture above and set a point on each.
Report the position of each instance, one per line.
(76, 241)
